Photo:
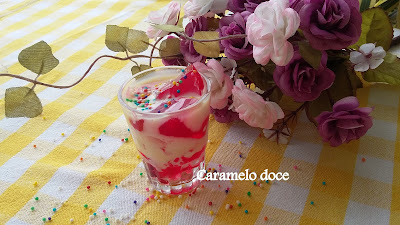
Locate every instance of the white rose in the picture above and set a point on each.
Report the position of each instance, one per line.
(168, 15)
(196, 8)
(268, 29)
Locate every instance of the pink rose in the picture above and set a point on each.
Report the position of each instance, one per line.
(221, 84)
(253, 109)
(268, 29)
(168, 15)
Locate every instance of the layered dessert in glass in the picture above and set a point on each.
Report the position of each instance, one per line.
(167, 110)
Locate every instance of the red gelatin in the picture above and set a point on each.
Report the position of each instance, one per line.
(178, 169)
(176, 128)
(138, 125)
(193, 84)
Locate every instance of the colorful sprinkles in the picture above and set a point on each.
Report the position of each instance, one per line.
(156, 196)
(144, 97)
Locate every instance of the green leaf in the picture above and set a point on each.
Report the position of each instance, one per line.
(116, 38)
(120, 39)
(398, 17)
(287, 103)
(375, 28)
(364, 5)
(209, 49)
(380, 2)
(213, 23)
(345, 84)
(276, 95)
(389, 6)
(355, 81)
(314, 108)
(38, 58)
(261, 76)
(346, 81)
(136, 41)
(22, 102)
(137, 69)
(310, 55)
(170, 47)
(168, 28)
(387, 72)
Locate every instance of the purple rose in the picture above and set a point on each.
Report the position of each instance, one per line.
(329, 24)
(187, 48)
(238, 48)
(243, 5)
(347, 122)
(225, 115)
(301, 81)
(174, 61)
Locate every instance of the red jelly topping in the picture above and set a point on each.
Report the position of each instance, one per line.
(192, 84)
(176, 128)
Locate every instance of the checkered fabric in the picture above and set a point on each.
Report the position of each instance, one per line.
(356, 191)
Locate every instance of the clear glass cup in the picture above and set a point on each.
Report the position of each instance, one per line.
(173, 158)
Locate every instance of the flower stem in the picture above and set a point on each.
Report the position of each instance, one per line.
(152, 50)
(284, 124)
(268, 92)
(34, 85)
(35, 82)
(127, 55)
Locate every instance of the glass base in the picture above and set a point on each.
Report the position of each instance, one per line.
(187, 183)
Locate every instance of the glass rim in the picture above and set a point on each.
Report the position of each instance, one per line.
(123, 103)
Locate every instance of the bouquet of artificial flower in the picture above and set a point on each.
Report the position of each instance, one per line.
(260, 56)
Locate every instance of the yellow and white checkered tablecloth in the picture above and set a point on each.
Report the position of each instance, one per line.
(356, 192)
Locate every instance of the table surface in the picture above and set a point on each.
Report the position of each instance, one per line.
(355, 192)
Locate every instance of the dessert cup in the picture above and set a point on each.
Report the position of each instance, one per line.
(171, 141)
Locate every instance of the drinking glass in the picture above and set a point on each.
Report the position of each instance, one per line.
(171, 144)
